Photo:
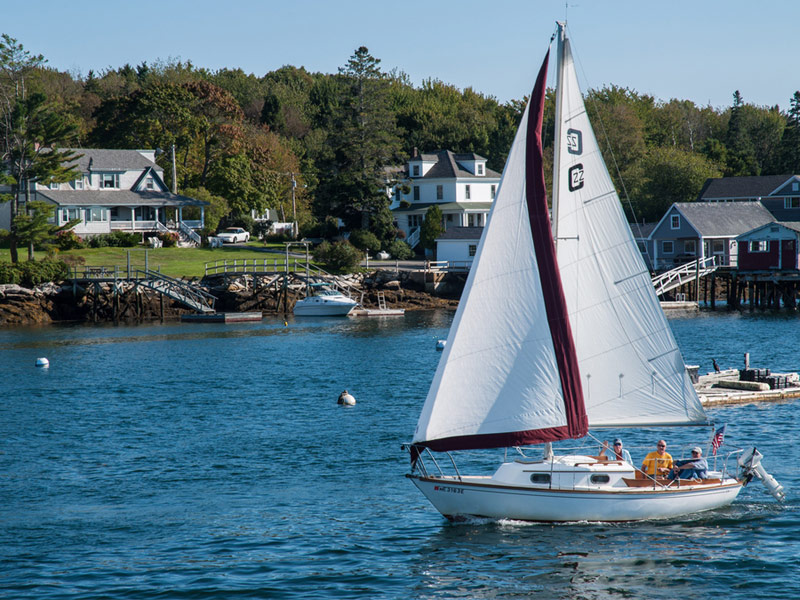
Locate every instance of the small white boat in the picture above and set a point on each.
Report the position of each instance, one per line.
(559, 330)
(324, 303)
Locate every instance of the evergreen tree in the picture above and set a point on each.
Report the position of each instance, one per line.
(431, 228)
(790, 141)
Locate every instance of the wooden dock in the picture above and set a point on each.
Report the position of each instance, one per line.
(223, 317)
(712, 395)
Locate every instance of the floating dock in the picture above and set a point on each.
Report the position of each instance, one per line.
(378, 312)
(714, 391)
(223, 317)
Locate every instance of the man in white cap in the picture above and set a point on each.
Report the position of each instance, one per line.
(693, 468)
(617, 452)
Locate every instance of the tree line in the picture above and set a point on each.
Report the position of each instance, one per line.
(242, 141)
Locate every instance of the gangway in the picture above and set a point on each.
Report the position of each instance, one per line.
(178, 290)
(685, 273)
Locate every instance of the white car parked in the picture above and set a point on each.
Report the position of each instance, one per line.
(233, 235)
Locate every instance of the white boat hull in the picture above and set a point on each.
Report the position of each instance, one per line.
(571, 492)
(324, 306)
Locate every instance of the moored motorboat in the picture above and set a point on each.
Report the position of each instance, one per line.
(324, 303)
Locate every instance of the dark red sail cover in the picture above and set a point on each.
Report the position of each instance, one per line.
(555, 303)
(549, 275)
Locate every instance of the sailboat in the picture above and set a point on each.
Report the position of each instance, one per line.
(559, 330)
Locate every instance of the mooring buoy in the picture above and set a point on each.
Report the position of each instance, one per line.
(441, 344)
(345, 399)
(42, 362)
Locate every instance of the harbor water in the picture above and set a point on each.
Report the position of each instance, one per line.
(212, 461)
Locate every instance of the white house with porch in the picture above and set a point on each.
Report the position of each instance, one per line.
(118, 190)
(460, 184)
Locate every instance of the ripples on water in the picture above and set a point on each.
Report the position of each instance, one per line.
(211, 461)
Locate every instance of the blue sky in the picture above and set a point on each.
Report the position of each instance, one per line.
(700, 50)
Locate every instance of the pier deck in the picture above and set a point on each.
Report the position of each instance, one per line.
(712, 396)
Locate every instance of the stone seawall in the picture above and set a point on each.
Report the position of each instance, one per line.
(125, 301)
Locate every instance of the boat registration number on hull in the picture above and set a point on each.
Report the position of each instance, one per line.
(447, 488)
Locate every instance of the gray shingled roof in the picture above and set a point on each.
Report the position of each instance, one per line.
(117, 198)
(642, 230)
(112, 160)
(462, 233)
(726, 188)
(447, 165)
(725, 218)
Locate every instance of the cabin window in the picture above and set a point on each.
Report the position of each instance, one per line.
(467, 194)
(415, 170)
(494, 191)
(416, 192)
(600, 479)
(793, 202)
(675, 222)
(439, 192)
(480, 169)
(540, 478)
(667, 247)
(759, 246)
(473, 248)
(690, 247)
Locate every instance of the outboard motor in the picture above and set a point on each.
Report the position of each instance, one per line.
(750, 462)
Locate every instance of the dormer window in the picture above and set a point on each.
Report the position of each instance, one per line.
(415, 171)
(675, 222)
(149, 184)
(109, 180)
(78, 184)
(54, 185)
(480, 168)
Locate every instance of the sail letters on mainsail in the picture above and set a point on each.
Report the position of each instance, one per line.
(544, 245)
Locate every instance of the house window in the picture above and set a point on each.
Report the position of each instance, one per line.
(114, 212)
(717, 247)
(791, 202)
(470, 220)
(69, 214)
(109, 180)
(675, 222)
(795, 186)
(449, 218)
(473, 248)
(667, 247)
(439, 192)
(78, 184)
(468, 195)
(414, 220)
(415, 170)
(494, 191)
(480, 169)
(690, 247)
(96, 213)
(416, 192)
(759, 246)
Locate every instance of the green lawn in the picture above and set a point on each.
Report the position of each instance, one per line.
(175, 262)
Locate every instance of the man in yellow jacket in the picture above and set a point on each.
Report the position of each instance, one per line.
(658, 462)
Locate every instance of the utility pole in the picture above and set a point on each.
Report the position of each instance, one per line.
(174, 173)
(294, 208)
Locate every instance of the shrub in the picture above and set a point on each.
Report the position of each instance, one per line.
(168, 238)
(69, 240)
(363, 240)
(31, 273)
(400, 250)
(97, 241)
(124, 239)
(339, 256)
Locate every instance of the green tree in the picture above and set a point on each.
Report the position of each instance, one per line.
(790, 141)
(431, 228)
(31, 132)
(217, 207)
(34, 227)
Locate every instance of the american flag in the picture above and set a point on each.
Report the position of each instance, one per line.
(716, 442)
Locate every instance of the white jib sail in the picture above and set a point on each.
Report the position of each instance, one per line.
(498, 371)
(632, 372)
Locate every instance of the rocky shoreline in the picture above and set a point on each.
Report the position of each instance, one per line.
(126, 302)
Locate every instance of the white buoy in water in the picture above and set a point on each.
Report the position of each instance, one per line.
(345, 399)
(441, 344)
(42, 362)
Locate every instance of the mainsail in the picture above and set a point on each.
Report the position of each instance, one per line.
(631, 369)
(510, 373)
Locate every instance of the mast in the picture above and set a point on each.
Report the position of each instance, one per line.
(562, 38)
